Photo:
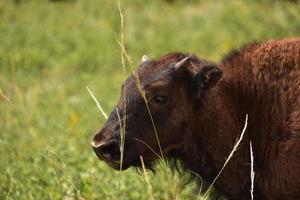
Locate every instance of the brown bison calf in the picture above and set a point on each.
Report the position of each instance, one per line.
(199, 110)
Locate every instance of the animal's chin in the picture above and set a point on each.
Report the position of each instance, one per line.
(128, 163)
(118, 166)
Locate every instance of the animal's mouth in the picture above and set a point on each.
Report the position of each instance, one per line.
(110, 153)
(114, 161)
(117, 164)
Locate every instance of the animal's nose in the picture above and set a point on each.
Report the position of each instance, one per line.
(109, 150)
(106, 149)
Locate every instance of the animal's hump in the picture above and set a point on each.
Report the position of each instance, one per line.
(235, 53)
(271, 48)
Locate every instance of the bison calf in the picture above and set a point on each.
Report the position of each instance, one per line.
(198, 109)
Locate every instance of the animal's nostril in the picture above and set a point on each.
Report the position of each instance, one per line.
(98, 140)
(108, 150)
(97, 143)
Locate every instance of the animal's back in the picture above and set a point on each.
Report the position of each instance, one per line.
(265, 80)
(267, 75)
(275, 66)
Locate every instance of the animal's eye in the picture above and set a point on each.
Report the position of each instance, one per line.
(160, 99)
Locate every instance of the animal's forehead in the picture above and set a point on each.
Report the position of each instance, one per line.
(157, 69)
(149, 72)
(146, 74)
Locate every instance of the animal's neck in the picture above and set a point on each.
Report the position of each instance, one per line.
(215, 121)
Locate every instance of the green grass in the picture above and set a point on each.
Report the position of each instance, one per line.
(50, 52)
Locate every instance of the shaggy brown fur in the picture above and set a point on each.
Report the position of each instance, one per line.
(199, 116)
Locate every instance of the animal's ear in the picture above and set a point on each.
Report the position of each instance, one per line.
(206, 78)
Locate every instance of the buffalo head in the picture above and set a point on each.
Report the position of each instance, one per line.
(155, 107)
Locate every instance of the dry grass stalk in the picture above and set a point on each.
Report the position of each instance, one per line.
(122, 143)
(3, 96)
(57, 168)
(122, 125)
(147, 145)
(235, 147)
(161, 157)
(124, 55)
(129, 60)
(252, 174)
(122, 138)
(97, 103)
(147, 179)
(201, 185)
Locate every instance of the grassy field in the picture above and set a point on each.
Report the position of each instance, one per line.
(50, 52)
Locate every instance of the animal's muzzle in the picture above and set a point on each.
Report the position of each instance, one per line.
(107, 149)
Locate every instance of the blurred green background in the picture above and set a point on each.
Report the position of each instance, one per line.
(51, 50)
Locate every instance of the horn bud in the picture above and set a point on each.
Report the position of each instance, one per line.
(181, 63)
(145, 58)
